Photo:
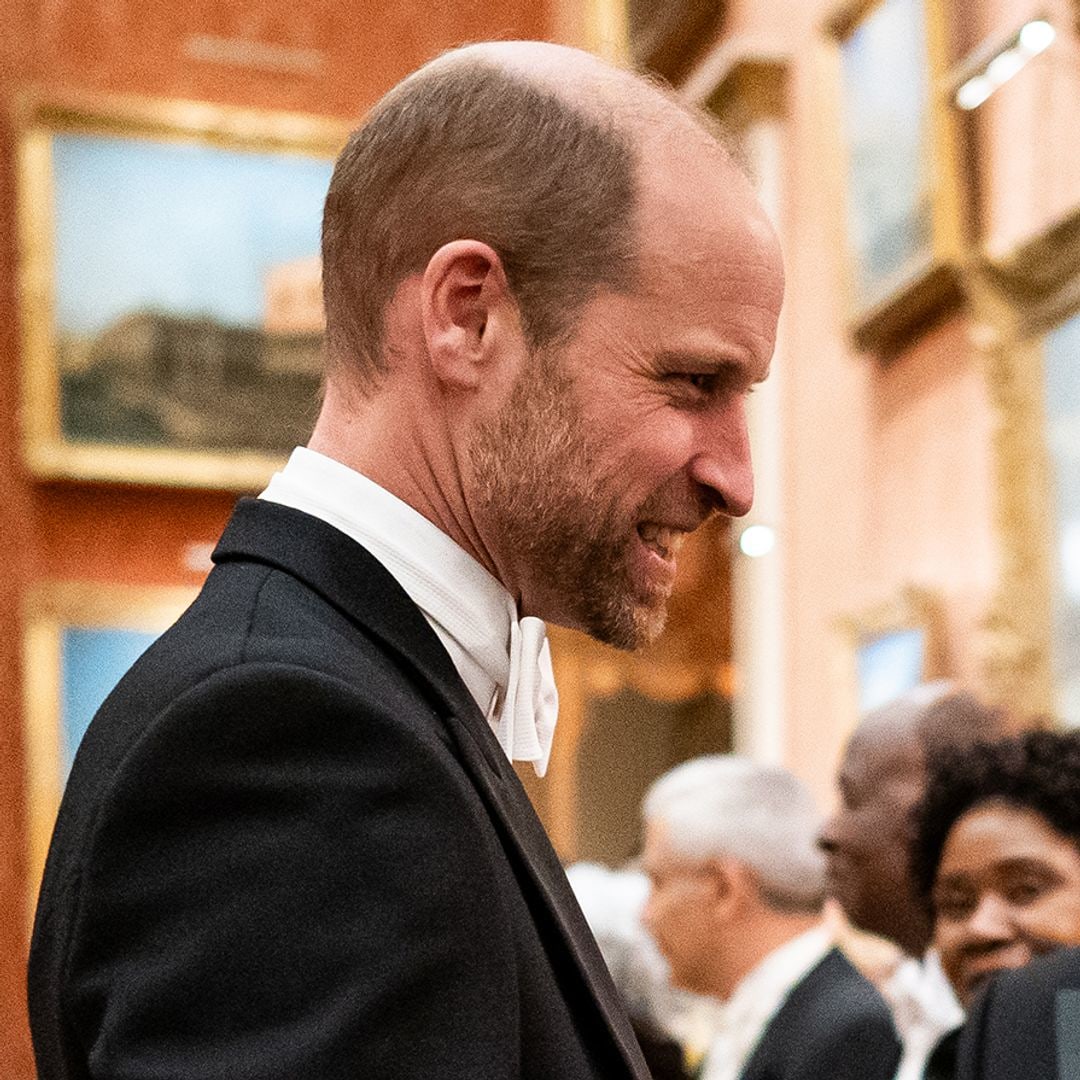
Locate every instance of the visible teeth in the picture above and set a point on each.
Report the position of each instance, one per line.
(661, 538)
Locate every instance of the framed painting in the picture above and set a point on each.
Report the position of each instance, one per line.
(1029, 302)
(170, 288)
(892, 648)
(80, 639)
(902, 195)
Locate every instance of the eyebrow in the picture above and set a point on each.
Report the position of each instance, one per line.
(1021, 863)
(1027, 863)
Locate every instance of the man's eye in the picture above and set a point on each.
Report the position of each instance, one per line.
(699, 384)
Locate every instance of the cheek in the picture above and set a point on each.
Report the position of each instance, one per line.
(864, 834)
(647, 460)
(682, 926)
(1055, 920)
(948, 940)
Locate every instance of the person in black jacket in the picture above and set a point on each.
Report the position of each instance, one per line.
(1026, 1024)
(736, 908)
(867, 843)
(997, 851)
(292, 844)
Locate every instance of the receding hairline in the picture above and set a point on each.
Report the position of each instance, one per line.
(636, 103)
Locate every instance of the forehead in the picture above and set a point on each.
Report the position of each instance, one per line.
(655, 839)
(656, 853)
(880, 752)
(709, 256)
(995, 834)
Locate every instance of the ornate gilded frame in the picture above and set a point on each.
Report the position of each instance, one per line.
(912, 608)
(1015, 301)
(48, 451)
(52, 608)
(899, 306)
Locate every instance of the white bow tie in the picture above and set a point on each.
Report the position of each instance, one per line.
(525, 719)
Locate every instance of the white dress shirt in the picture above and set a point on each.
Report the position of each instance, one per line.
(759, 996)
(924, 1010)
(504, 662)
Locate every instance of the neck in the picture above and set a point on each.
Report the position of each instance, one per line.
(751, 942)
(405, 450)
(914, 934)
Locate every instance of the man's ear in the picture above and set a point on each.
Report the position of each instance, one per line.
(465, 306)
(732, 884)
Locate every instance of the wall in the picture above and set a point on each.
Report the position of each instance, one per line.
(303, 56)
(889, 474)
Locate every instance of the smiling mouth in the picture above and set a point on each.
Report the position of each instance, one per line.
(663, 540)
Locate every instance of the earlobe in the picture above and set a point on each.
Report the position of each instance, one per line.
(462, 288)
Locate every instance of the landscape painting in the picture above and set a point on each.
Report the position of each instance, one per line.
(888, 665)
(81, 638)
(886, 97)
(175, 302)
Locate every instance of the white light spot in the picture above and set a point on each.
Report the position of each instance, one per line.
(1004, 66)
(1036, 36)
(974, 92)
(757, 540)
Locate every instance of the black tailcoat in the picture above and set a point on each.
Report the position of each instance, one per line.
(1026, 1024)
(291, 847)
(834, 1025)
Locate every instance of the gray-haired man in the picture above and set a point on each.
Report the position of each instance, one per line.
(737, 894)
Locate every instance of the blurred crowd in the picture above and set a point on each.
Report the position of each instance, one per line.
(923, 932)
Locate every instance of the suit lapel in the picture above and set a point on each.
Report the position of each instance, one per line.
(525, 835)
(354, 582)
(776, 1033)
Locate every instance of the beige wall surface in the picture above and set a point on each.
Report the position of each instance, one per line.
(892, 473)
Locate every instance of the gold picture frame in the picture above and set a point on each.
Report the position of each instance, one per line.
(890, 648)
(171, 318)
(903, 198)
(740, 86)
(79, 639)
(1017, 300)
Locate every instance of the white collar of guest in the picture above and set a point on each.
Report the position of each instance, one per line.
(505, 662)
(924, 1009)
(758, 998)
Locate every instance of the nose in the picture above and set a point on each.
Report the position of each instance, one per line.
(989, 923)
(648, 914)
(826, 837)
(722, 465)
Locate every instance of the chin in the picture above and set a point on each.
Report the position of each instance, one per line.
(632, 628)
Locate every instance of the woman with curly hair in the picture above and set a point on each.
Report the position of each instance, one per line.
(997, 854)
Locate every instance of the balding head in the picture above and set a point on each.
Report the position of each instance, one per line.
(537, 266)
(882, 778)
(533, 149)
(930, 717)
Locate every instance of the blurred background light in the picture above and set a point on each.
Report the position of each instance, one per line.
(757, 540)
(998, 67)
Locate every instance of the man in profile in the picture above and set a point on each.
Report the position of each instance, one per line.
(738, 887)
(868, 845)
(292, 844)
